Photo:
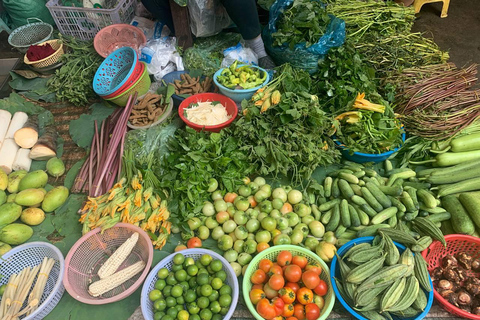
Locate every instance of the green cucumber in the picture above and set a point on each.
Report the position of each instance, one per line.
(379, 195)
(372, 201)
(461, 221)
(471, 203)
(345, 214)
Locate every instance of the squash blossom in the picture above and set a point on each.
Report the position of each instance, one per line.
(364, 104)
(352, 116)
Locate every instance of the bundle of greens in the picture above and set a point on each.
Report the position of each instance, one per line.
(283, 130)
(73, 81)
(304, 22)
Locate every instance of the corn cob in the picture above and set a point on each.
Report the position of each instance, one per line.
(118, 257)
(104, 285)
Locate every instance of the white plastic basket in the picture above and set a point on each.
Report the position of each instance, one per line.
(30, 255)
(84, 23)
(149, 284)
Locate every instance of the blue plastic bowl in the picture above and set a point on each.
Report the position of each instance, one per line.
(366, 157)
(335, 273)
(238, 95)
(170, 78)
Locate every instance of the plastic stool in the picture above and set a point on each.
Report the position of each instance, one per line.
(419, 3)
(3, 26)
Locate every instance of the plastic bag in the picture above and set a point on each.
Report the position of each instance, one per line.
(240, 53)
(161, 57)
(21, 10)
(300, 56)
(207, 17)
(151, 29)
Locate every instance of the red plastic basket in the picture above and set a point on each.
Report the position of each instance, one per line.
(436, 251)
(133, 79)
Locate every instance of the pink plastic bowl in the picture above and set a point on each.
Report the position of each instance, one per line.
(90, 252)
(117, 36)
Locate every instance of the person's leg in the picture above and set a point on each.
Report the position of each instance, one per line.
(244, 14)
(160, 9)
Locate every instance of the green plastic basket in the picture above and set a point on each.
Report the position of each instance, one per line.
(141, 87)
(272, 253)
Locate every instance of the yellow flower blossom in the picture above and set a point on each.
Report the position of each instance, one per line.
(362, 103)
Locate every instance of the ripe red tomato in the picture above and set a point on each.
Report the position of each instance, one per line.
(276, 282)
(315, 268)
(257, 286)
(265, 265)
(194, 242)
(321, 289)
(299, 311)
(287, 295)
(284, 258)
(256, 295)
(293, 273)
(300, 261)
(278, 318)
(258, 277)
(291, 318)
(304, 296)
(266, 309)
(287, 310)
(269, 292)
(312, 311)
(275, 269)
(278, 304)
(310, 279)
(294, 286)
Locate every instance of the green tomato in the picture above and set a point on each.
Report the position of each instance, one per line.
(316, 229)
(260, 195)
(230, 255)
(302, 209)
(222, 217)
(203, 232)
(302, 227)
(231, 210)
(261, 216)
(311, 243)
(281, 239)
(242, 205)
(259, 181)
(293, 219)
(252, 213)
(211, 223)
(217, 195)
(329, 237)
(279, 194)
(225, 242)
(194, 223)
(244, 258)
(240, 218)
(238, 246)
(269, 224)
(252, 225)
(277, 203)
(288, 231)
(275, 214)
(229, 226)
(217, 232)
(244, 191)
(250, 246)
(175, 229)
(238, 198)
(308, 219)
(294, 196)
(220, 205)
(296, 237)
(267, 188)
(266, 206)
(208, 209)
(253, 186)
(212, 185)
(251, 236)
(263, 236)
(241, 232)
(282, 223)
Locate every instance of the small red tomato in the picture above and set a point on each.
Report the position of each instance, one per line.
(284, 258)
(194, 242)
(299, 311)
(300, 261)
(312, 311)
(287, 295)
(287, 310)
(258, 277)
(266, 309)
(294, 286)
(310, 279)
(278, 318)
(257, 286)
(321, 289)
(276, 282)
(293, 273)
(265, 265)
(291, 318)
(275, 269)
(269, 292)
(256, 295)
(278, 304)
(315, 268)
(304, 296)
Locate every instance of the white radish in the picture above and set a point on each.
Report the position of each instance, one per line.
(5, 118)
(7, 155)
(18, 120)
(22, 160)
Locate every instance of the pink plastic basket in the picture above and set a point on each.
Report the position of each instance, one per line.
(92, 250)
(117, 36)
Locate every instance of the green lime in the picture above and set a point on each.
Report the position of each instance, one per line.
(181, 275)
(198, 291)
(155, 295)
(160, 284)
(225, 300)
(217, 316)
(206, 290)
(180, 301)
(198, 264)
(202, 279)
(190, 295)
(176, 267)
(171, 302)
(202, 270)
(192, 283)
(206, 259)
(160, 305)
(167, 291)
(188, 262)
(203, 302)
(225, 289)
(206, 314)
(215, 307)
(162, 273)
(179, 307)
(158, 315)
(184, 285)
(194, 317)
(183, 315)
(216, 265)
(178, 258)
(192, 270)
(214, 296)
(216, 283)
(222, 275)
(193, 308)
(172, 312)
(177, 291)
(171, 279)
(167, 317)
(224, 311)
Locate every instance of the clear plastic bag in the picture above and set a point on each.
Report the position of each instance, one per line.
(301, 56)
(161, 57)
(240, 53)
(151, 29)
(207, 17)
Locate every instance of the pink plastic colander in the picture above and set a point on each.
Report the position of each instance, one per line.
(92, 250)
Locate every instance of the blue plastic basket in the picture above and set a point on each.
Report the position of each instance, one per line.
(120, 68)
(239, 95)
(335, 273)
(366, 157)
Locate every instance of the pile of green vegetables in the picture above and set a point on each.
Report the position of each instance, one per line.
(304, 22)
(73, 81)
(244, 77)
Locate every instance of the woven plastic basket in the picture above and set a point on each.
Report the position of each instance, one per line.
(32, 33)
(30, 255)
(149, 285)
(335, 273)
(91, 251)
(117, 36)
(272, 253)
(141, 87)
(56, 45)
(455, 243)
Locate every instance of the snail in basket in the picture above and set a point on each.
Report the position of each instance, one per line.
(148, 109)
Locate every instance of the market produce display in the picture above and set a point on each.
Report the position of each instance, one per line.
(188, 85)
(148, 109)
(241, 77)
